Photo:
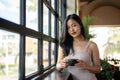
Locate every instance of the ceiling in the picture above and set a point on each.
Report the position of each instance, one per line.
(105, 12)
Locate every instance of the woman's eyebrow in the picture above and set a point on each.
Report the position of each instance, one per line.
(72, 24)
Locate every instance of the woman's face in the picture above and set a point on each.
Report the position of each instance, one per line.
(73, 28)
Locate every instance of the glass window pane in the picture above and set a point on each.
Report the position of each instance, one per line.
(52, 26)
(45, 54)
(52, 54)
(108, 40)
(60, 8)
(31, 55)
(53, 3)
(32, 14)
(45, 20)
(9, 55)
(60, 28)
(10, 9)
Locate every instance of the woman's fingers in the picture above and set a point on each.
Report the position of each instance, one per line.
(81, 64)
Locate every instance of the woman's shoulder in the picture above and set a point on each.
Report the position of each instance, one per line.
(92, 44)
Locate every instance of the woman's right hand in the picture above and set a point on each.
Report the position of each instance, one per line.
(63, 63)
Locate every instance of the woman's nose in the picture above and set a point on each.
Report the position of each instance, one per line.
(71, 29)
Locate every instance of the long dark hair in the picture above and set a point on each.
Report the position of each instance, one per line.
(66, 41)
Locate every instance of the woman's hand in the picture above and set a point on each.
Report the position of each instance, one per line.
(63, 63)
(81, 64)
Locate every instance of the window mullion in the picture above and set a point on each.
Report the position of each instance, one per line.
(22, 41)
(40, 41)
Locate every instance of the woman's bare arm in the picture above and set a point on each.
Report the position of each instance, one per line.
(61, 61)
(95, 57)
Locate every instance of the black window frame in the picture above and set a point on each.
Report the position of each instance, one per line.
(24, 32)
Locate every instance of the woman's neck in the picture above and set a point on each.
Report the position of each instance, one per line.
(80, 38)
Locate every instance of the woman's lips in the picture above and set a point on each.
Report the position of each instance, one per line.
(73, 33)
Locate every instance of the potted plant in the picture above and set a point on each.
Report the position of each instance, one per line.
(106, 71)
(86, 22)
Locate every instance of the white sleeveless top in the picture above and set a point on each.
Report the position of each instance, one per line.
(81, 74)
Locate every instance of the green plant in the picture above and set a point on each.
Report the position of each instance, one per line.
(86, 22)
(106, 72)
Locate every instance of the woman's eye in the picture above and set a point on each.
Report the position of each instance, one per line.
(74, 25)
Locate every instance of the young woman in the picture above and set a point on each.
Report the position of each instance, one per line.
(74, 45)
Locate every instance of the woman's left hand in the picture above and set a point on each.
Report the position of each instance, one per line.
(81, 64)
